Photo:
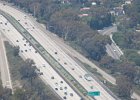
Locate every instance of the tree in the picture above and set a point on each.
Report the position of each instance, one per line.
(16, 51)
(95, 46)
(124, 87)
(107, 61)
(100, 18)
(20, 94)
(27, 70)
(5, 93)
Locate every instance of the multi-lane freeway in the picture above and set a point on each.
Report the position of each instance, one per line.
(28, 52)
(55, 51)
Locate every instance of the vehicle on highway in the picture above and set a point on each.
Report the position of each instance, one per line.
(88, 77)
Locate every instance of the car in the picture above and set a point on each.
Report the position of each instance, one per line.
(72, 68)
(41, 73)
(61, 88)
(44, 65)
(65, 97)
(80, 76)
(29, 44)
(61, 81)
(52, 77)
(56, 88)
(65, 93)
(88, 77)
(114, 50)
(71, 94)
(65, 87)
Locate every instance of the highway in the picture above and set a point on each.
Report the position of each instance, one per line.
(67, 62)
(113, 50)
(69, 50)
(27, 51)
(108, 30)
(4, 66)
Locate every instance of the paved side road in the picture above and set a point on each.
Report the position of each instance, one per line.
(4, 67)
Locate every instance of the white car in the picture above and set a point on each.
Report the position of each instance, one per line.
(88, 77)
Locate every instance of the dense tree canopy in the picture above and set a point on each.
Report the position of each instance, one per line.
(100, 18)
(63, 20)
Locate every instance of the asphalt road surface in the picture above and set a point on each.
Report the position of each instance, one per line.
(4, 67)
(113, 50)
(50, 77)
(67, 62)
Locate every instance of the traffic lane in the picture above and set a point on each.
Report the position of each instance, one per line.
(37, 60)
(111, 52)
(51, 46)
(116, 49)
(16, 41)
(5, 76)
(109, 30)
(47, 46)
(120, 51)
(33, 31)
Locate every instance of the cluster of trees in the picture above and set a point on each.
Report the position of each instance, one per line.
(133, 12)
(127, 73)
(125, 68)
(124, 88)
(128, 39)
(26, 83)
(65, 22)
(100, 18)
(111, 3)
(133, 56)
(33, 87)
(5, 93)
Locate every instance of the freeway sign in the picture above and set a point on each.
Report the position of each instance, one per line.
(95, 93)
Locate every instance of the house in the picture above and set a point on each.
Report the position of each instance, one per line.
(83, 15)
(128, 2)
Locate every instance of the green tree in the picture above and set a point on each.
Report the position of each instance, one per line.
(124, 87)
(27, 70)
(16, 51)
